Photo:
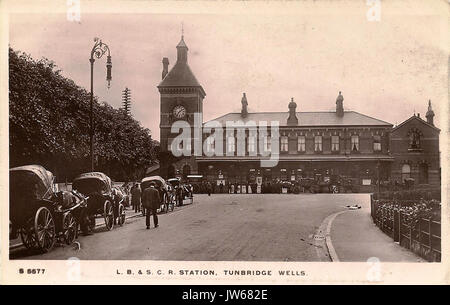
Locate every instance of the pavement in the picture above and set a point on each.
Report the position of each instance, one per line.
(243, 227)
(356, 238)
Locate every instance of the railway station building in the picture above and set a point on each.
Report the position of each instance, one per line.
(316, 145)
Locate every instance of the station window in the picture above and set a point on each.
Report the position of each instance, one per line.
(376, 143)
(355, 143)
(231, 144)
(210, 144)
(301, 144)
(267, 143)
(284, 143)
(335, 143)
(318, 143)
(251, 144)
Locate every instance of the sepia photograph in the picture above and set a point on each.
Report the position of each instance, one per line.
(244, 137)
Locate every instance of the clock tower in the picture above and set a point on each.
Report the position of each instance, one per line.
(181, 99)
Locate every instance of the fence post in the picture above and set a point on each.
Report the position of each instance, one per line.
(382, 219)
(420, 236)
(410, 237)
(429, 237)
(396, 226)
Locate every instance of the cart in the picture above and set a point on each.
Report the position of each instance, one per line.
(40, 215)
(101, 200)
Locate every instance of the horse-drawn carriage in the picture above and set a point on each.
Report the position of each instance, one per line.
(163, 188)
(101, 200)
(39, 214)
(181, 191)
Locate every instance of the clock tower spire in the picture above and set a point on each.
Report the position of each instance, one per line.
(181, 98)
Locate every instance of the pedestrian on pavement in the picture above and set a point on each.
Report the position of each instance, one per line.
(151, 202)
(180, 195)
(208, 188)
(221, 187)
(136, 198)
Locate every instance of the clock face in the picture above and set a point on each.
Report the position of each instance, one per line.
(179, 112)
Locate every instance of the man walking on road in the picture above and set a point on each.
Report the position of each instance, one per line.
(151, 202)
(136, 198)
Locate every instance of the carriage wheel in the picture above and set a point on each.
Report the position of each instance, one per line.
(121, 215)
(108, 214)
(27, 235)
(44, 229)
(70, 228)
(91, 222)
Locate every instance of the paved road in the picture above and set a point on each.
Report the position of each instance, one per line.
(251, 227)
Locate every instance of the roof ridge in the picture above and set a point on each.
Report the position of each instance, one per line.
(415, 117)
(371, 117)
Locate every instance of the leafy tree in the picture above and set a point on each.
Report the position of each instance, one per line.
(49, 125)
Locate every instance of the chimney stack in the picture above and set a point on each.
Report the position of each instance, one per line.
(165, 70)
(244, 103)
(340, 105)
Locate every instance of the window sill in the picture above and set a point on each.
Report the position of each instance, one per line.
(415, 149)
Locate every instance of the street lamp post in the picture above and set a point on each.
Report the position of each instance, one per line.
(98, 51)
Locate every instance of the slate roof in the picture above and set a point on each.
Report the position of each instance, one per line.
(325, 118)
(181, 74)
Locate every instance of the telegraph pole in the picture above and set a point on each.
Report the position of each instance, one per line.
(126, 101)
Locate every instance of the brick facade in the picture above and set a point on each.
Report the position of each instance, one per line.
(311, 144)
(421, 157)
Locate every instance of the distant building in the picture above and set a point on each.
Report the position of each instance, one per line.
(311, 144)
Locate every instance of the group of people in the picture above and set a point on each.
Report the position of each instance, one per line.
(150, 200)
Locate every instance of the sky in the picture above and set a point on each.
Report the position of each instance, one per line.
(386, 69)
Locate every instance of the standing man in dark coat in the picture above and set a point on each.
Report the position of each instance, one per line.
(136, 198)
(151, 202)
(208, 188)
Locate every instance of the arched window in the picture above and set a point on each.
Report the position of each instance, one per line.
(406, 171)
(414, 138)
